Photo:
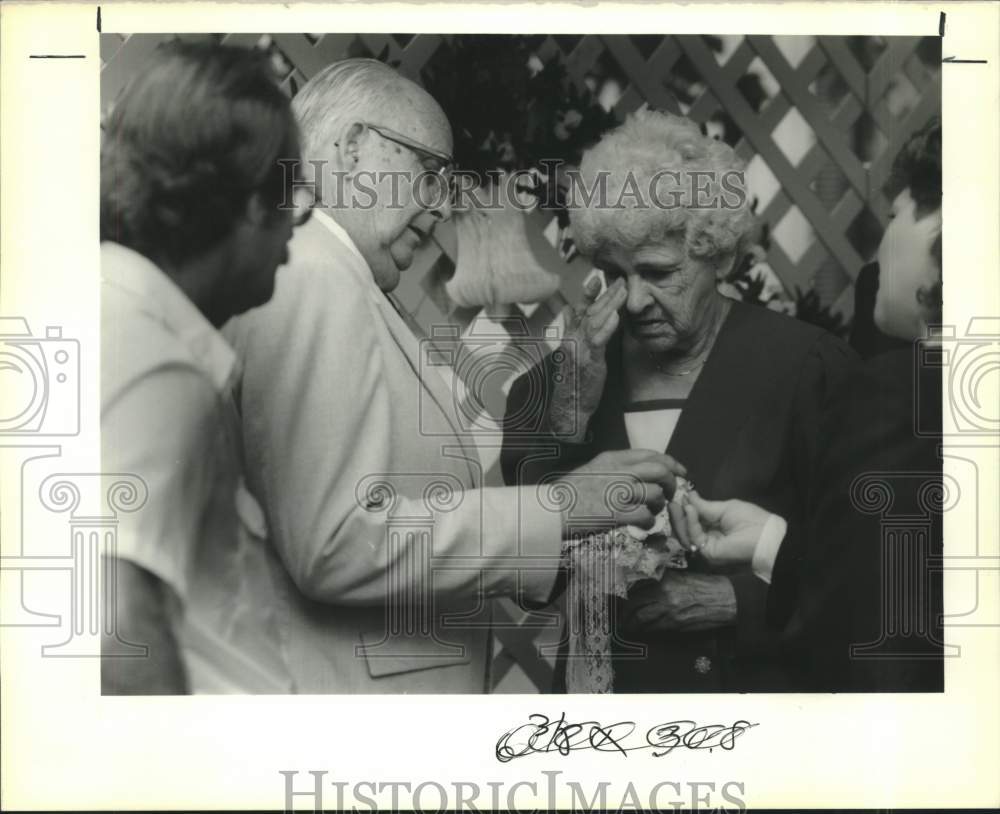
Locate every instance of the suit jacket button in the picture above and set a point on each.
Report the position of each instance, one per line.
(702, 664)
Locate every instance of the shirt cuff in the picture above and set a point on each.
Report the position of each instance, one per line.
(768, 545)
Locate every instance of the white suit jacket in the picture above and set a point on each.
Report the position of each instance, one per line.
(370, 491)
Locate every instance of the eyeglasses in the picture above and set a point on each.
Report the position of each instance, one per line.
(434, 161)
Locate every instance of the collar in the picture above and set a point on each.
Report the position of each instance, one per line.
(340, 233)
(158, 296)
(364, 271)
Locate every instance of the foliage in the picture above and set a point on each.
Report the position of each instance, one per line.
(750, 287)
(809, 308)
(508, 110)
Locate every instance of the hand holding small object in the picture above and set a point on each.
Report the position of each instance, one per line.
(651, 477)
(723, 532)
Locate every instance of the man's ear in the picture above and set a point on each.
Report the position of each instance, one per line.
(351, 145)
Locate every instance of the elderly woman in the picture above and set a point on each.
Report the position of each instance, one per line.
(828, 586)
(660, 360)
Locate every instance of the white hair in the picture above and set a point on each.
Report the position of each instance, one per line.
(349, 91)
(648, 144)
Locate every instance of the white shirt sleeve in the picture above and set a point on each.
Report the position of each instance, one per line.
(164, 429)
(768, 545)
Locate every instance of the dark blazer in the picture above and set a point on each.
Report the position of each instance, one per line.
(865, 573)
(749, 430)
(866, 338)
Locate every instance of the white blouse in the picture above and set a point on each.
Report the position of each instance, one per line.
(651, 424)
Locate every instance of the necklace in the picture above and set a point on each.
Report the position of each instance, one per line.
(677, 374)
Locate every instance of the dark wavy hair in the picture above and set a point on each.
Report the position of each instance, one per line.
(918, 168)
(188, 143)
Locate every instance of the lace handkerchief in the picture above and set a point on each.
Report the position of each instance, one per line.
(602, 567)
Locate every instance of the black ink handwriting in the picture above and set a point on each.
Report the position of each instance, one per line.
(543, 734)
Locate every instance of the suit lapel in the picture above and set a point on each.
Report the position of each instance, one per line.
(430, 379)
(326, 230)
(406, 338)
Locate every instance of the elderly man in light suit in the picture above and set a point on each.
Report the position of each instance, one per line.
(353, 448)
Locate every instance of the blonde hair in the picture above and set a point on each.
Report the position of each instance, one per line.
(664, 155)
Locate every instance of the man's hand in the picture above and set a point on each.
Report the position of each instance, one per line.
(620, 488)
(589, 326)
(681, 601)
(724, 532)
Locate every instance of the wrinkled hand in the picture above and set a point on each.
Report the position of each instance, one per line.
(681, 601)
(620, 488)
(723, 532)
(589, 327)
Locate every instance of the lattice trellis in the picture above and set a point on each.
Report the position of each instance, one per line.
(821, 92)
(829, 210)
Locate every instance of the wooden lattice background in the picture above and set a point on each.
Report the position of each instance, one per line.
(819, 145)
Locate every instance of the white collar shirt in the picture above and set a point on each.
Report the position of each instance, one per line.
(167, 419)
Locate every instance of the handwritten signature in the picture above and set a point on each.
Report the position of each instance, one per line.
(543, 734)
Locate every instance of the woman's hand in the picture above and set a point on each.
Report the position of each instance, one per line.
(589, 326)
(681, 601)
(724, 532)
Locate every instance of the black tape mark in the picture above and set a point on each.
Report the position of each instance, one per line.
(941, 20)
(957, 61)
(98, 19)
(57, 56)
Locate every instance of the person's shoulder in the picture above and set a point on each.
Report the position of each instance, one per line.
(814, 361)
(172, 405)
(323, 279)
(781, 335)
(316, 245)
(136, 346)
(764, 320)
(322, 262)
(324, 300)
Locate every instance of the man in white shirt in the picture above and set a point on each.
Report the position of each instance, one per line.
(373, 494)
(192, 232)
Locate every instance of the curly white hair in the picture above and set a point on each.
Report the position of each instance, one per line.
(687, 183)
